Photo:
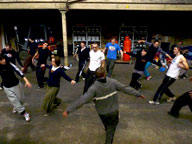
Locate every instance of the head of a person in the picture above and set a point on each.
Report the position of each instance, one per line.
(45, 44)
(156, 43)
(180, 43)
(82, 44)
(2, 60)
(8, 46)
(144, 52)
(95, 47)
(56, 61)
(176, 50)
(113, 39)
(100, 72)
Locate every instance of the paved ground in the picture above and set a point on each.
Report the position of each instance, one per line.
(140, 123)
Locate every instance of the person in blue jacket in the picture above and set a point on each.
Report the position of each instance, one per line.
(55, 73)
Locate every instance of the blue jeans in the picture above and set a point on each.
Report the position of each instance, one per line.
(110, 66)
(146, 72)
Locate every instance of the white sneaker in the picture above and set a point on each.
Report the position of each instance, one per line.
(148, 78)
(14, 111)
(26, 116)
(0, 88)
(83, 78)
(46, 115)
(154, 102)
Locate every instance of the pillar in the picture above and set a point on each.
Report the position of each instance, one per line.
(64, 30)
(2, 39)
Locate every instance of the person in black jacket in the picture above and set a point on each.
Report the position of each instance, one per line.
(42, 53)
(12, 86)
(55, 73)
(11, 55)
(141, 60)
(83, 55)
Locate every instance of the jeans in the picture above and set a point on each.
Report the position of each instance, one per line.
(146, 72)
(110, 122)
(164, 88)
(180, 102)
(109, 66)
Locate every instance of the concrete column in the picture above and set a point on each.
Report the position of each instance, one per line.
(65, 45)
(2, 39)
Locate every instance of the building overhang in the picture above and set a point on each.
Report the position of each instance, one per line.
(165, 5)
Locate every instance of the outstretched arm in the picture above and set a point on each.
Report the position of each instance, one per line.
(131, 54)
(78, 103)
(127, 89)
(164, 53)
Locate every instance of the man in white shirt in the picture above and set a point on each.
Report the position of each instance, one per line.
(97, 59)
(178, 63)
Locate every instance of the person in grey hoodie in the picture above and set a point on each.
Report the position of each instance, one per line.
(104, 94)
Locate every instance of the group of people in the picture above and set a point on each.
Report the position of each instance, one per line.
(13, 87)
(99, 86)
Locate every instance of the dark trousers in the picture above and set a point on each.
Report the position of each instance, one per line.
(27, 63)
(110, 122)
(180, 102)
(89, 80)
(164, 88)
(134, 81)
(80, 70)
(40, 72)
(110, 63)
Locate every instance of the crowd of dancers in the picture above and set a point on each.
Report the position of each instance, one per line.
(99, 86)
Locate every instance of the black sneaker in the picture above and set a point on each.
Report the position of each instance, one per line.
(174, 115)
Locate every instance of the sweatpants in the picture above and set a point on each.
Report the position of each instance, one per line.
(51, 101)
(110, 63)
(15, 95)
(164, 88)
(110, 122)
(134, 81)
(180, 102)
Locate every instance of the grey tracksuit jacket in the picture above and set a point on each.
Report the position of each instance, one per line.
(104, 95)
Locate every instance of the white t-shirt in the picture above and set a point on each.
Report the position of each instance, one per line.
(174, 70)
(95, 59)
